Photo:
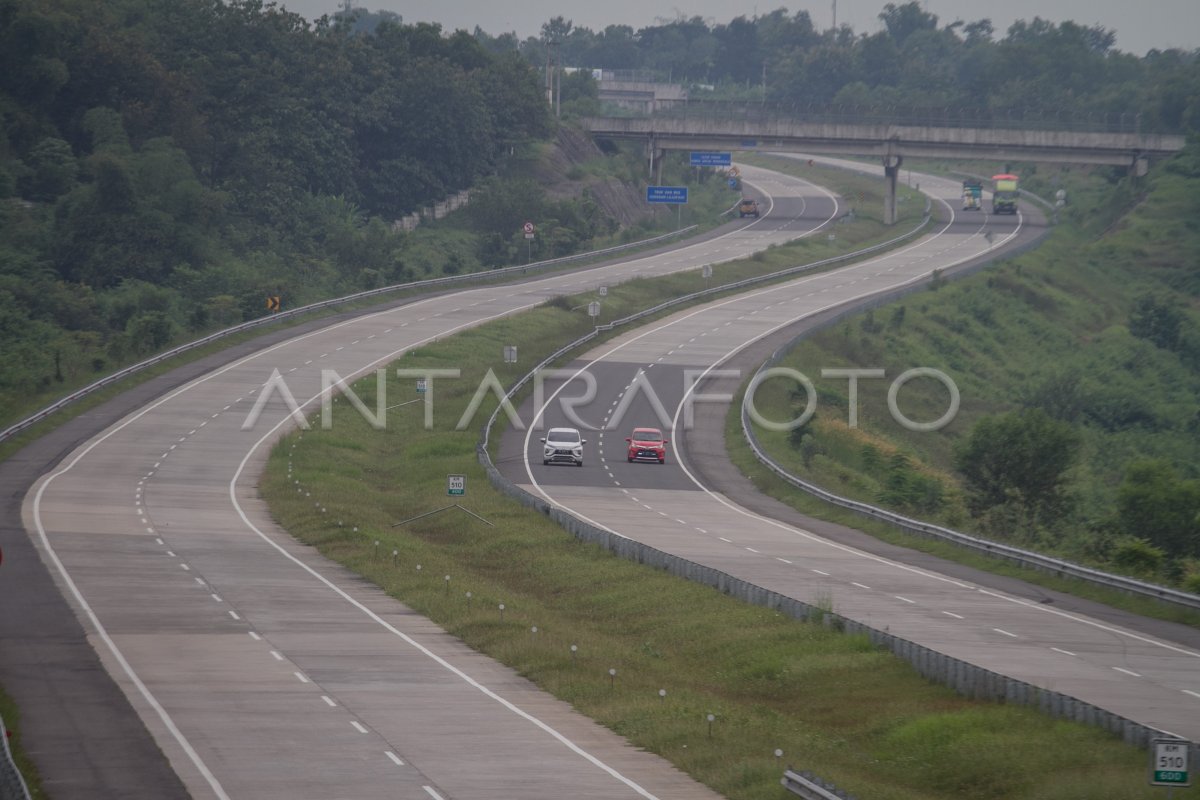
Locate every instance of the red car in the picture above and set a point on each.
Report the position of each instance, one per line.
(647, 444)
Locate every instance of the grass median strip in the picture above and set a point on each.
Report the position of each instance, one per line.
(649, 655)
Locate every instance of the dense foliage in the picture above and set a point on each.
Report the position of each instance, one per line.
(165, 165)
(915, 62)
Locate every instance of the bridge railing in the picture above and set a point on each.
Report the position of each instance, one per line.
(947, 117)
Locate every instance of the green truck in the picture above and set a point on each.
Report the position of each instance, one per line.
(972, 194)
(1004, 194)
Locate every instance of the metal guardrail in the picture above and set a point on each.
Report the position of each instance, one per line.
(810, 787)
(1016, 555)
(431, 283)
(12, 785)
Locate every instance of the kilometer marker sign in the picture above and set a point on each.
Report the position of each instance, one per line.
(1169, 763)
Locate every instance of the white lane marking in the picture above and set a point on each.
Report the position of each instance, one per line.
(432, 793)
(491, 694)
(300, 675)
(186, 567)
(217, 597)
(784, 560)
(234, 614)
(1006, 633)
(723, 539)
(255, 636)
(1189, 691)
(171, 554)
(819, 572)
(395, 758)
(702, 530)
(1127, 671)
(358, 726)
(905, 599)
(859, 585)
(1064, 652)
(275, 654)
(160, 541)
(751, 549)
(329, 701)
(952, 614)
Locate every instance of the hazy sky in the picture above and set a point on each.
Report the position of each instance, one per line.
(1139, 26)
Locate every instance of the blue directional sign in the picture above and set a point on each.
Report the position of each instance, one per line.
(666, 194)
(702, 159)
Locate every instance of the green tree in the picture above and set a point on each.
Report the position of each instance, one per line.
(1154, 504)
(1020, 456)
(53, 170)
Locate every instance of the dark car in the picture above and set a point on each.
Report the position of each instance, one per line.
(647, 444)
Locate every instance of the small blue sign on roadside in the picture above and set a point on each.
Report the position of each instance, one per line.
(667, 194)
(704, 159)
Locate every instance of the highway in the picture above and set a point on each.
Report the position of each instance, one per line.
(259, 669)
(646, 377)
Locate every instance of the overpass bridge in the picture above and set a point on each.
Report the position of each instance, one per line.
(890, 142)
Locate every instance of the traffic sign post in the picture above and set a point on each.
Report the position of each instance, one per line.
(702, 159)
(667, 194)
(456, 485)
(420, 386)
(1169, 763)
(529, 231)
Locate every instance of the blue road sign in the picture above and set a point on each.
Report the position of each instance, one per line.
(666, 194)
(702, 159)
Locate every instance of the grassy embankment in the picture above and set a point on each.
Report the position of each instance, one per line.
(832, 703)
(1007, 337)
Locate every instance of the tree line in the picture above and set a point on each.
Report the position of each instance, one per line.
(916, 61)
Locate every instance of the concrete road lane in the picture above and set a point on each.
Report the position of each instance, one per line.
(260, 669)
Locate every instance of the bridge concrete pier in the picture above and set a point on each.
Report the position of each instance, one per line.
(654, 158)
(891, 172)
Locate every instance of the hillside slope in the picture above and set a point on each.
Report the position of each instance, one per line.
(1079, 371)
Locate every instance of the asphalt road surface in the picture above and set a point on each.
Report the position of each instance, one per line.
(647, 376)
(259, 669)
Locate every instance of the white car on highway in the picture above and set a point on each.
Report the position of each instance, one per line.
(563, 446)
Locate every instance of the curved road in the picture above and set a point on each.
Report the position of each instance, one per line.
(647, 377)
(260, 669)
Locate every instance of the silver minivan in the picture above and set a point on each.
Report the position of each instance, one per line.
(563, 446)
